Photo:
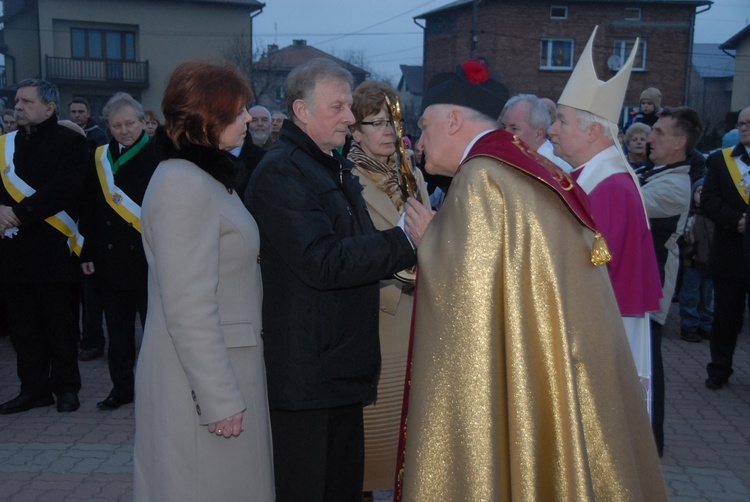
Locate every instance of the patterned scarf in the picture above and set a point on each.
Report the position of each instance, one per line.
(385, 176)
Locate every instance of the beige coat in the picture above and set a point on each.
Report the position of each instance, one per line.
(202, 354)
(382, 419)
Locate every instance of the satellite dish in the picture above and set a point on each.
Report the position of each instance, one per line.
(614, 62)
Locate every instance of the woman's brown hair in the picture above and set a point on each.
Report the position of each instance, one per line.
(201, 99)
(369, 98)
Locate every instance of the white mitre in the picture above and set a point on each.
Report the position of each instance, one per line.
(586, 92)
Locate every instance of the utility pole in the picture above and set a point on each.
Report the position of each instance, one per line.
(473, 40)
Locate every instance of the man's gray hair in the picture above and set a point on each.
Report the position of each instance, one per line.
(586, 119)
(120, 101)
(47, 91)
(538, 112)
(609, 129)
(302, 80)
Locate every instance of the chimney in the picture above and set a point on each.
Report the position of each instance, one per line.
(299, 43)
(272, 48)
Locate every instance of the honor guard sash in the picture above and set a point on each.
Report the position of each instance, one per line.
(734, 170)
(19, 190)
(117, 199)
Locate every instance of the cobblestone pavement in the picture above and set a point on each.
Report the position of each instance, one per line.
(87, 455)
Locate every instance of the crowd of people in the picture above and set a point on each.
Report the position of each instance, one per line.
(291, 351)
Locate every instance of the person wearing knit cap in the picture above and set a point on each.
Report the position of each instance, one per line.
(521, 386)
(648, 110)
(584, 134)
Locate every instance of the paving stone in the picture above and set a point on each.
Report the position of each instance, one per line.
(88, 455)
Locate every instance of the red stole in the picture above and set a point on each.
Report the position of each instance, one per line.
(507, 148)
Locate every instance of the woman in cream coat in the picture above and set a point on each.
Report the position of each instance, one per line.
(373, 155)
(202, 424)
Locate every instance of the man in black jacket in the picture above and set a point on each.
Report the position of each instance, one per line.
(321, 259)
(38, 210)
(110, 219)
(92, 339)
(724, 200)
(80, 113)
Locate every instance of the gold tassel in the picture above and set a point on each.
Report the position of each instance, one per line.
(600, 254)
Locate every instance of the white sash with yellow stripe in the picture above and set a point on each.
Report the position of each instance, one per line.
(115, 197)
(19, 190)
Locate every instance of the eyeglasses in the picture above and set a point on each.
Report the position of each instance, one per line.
(378, 124)
(740, 125)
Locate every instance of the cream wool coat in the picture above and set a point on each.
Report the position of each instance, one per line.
(202, 354)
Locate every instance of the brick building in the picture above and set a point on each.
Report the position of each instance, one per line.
(531, 46)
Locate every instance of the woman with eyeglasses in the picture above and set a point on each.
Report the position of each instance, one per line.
(372, 152)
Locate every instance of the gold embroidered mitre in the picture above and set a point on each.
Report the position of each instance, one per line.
(585, 91)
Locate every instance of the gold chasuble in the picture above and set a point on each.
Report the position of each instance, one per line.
(523, 387)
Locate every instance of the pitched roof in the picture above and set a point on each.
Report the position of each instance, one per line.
(711, 62)
(250, 3)
(299, 53)
(15, 7)
(738, 37)
(413, 78)
(460, 3)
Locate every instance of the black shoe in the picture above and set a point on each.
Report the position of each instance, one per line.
(690, 336)
(67, 402)
(90, 354)
(112, 403)
(715, 383)
(25, 403)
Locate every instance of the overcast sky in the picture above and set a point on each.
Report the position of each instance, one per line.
(384, 34)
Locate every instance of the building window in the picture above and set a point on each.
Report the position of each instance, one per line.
(632, 14)
(623, 48)
(558, 12)
(102, 44)
(557, 54)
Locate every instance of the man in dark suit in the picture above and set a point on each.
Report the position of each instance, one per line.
(118, 177)
(92, 339)
(724, 200)
(39, 201)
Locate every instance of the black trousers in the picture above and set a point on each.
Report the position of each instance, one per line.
(93, 330)
(43, 333)
(120, 309)
(730, 298)
(657, 387)
(319, 455)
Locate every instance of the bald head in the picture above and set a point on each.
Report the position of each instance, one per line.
(260, 125)
(446, 132)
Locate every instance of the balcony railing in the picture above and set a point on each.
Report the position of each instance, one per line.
(98, 71)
